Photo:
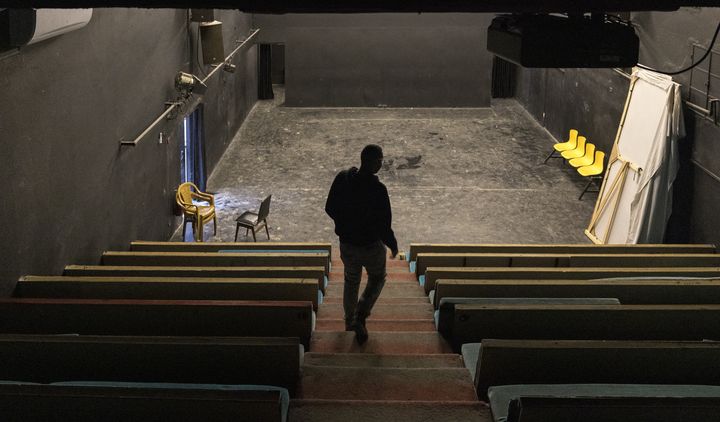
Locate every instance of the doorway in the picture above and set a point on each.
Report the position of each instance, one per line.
(271, 69)
(192, 150)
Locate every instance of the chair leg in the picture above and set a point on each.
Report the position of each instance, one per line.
(266, 229)
(253, 232)
(552, 155)
(184, 227)
(215, 225)
(237, 229)
(587, 186)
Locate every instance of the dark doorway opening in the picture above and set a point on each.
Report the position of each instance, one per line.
(271, 69)
(192, 150)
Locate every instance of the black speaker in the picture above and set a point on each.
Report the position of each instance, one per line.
(202, 15)
(212, 42)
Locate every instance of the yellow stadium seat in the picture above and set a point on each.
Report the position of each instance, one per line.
(571, 143)
(198, 213)
(586, 159)
(577, 152)
(593, 171)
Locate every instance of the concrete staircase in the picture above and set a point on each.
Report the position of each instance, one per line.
(405, 372)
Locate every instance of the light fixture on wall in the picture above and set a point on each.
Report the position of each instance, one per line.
(229, 67)
(187, 83)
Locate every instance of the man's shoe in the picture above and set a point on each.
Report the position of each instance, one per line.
(361, 334)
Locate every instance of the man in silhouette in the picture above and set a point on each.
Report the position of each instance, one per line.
(359, 204)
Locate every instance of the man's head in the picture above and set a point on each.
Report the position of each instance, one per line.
(371, 159)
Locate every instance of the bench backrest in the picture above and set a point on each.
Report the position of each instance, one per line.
(473, 323)
(416, 248)
(157, 317)
(603, 409)
(629, 292)
(425, 260)
(505, 362)
(217, 259)
(40, 403)
(537, 273)
(317, 273)
(295, 289)
(152, 246)
(196, 360)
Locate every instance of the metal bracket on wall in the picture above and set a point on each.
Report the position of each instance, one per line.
(705, 90)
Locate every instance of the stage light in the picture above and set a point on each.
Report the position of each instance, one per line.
(187, 83)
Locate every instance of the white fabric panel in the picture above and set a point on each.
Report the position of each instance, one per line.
(648, 142)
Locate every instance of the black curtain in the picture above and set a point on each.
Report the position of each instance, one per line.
(265, 91)
(197, 148)
(503, 78)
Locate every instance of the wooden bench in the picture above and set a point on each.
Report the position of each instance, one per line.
(197, 360)
(506, 362)
(416, 248)
(232, 318)
(154, 246)
(175, 288)
(433, 274)
(629, 291)
(473, 323)
(698, 403)
(425, 260)
(317, 273)
(87, 403)
(217, 259)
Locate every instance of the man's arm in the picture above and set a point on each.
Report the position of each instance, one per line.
(332, 205)
(388, 236)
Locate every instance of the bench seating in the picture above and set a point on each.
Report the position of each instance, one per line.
(444, 316)
(433, 274)
(628, 291)
(152, 246)
(216, 259)
(199, 360)
(416, 248)
(139, 402)
(605, 402)
(473, 323)
(504, 362)
(425, 260)
(178, 288)
(157, 317)
(317, 273)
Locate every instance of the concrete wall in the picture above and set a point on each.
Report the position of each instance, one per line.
(592, 101)
(371, 60)
(69, 190)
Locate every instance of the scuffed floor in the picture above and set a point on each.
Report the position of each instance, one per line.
(454, 175)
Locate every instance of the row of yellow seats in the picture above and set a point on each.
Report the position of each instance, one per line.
(580, 154)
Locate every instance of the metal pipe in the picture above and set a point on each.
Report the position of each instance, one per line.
(707, 171)
(218, 67)
(149, 128)
(177, 104)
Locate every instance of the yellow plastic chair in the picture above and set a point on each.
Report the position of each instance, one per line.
(586, 159)
(571, 143)
(197, 213)
(593, 171)
(577, 152)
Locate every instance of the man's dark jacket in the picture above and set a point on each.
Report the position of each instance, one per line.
(360, 206)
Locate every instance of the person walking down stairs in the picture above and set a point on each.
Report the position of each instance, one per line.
(359, 205)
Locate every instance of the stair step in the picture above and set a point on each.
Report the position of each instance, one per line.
(335, 289)
(399, 263)
(380, 311)
(412, 384)
(374, 325)
(395, 411)
(387, 300)
(447, 360)
(391, 342)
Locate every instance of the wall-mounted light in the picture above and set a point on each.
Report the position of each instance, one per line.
(229, 67)
(187, 83)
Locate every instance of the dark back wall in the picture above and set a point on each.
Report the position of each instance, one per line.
(69, 190)
(377, 60)
(592, 102)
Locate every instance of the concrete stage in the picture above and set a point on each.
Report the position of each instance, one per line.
(454, 175)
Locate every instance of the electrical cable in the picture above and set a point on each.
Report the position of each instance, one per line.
(677, 72)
